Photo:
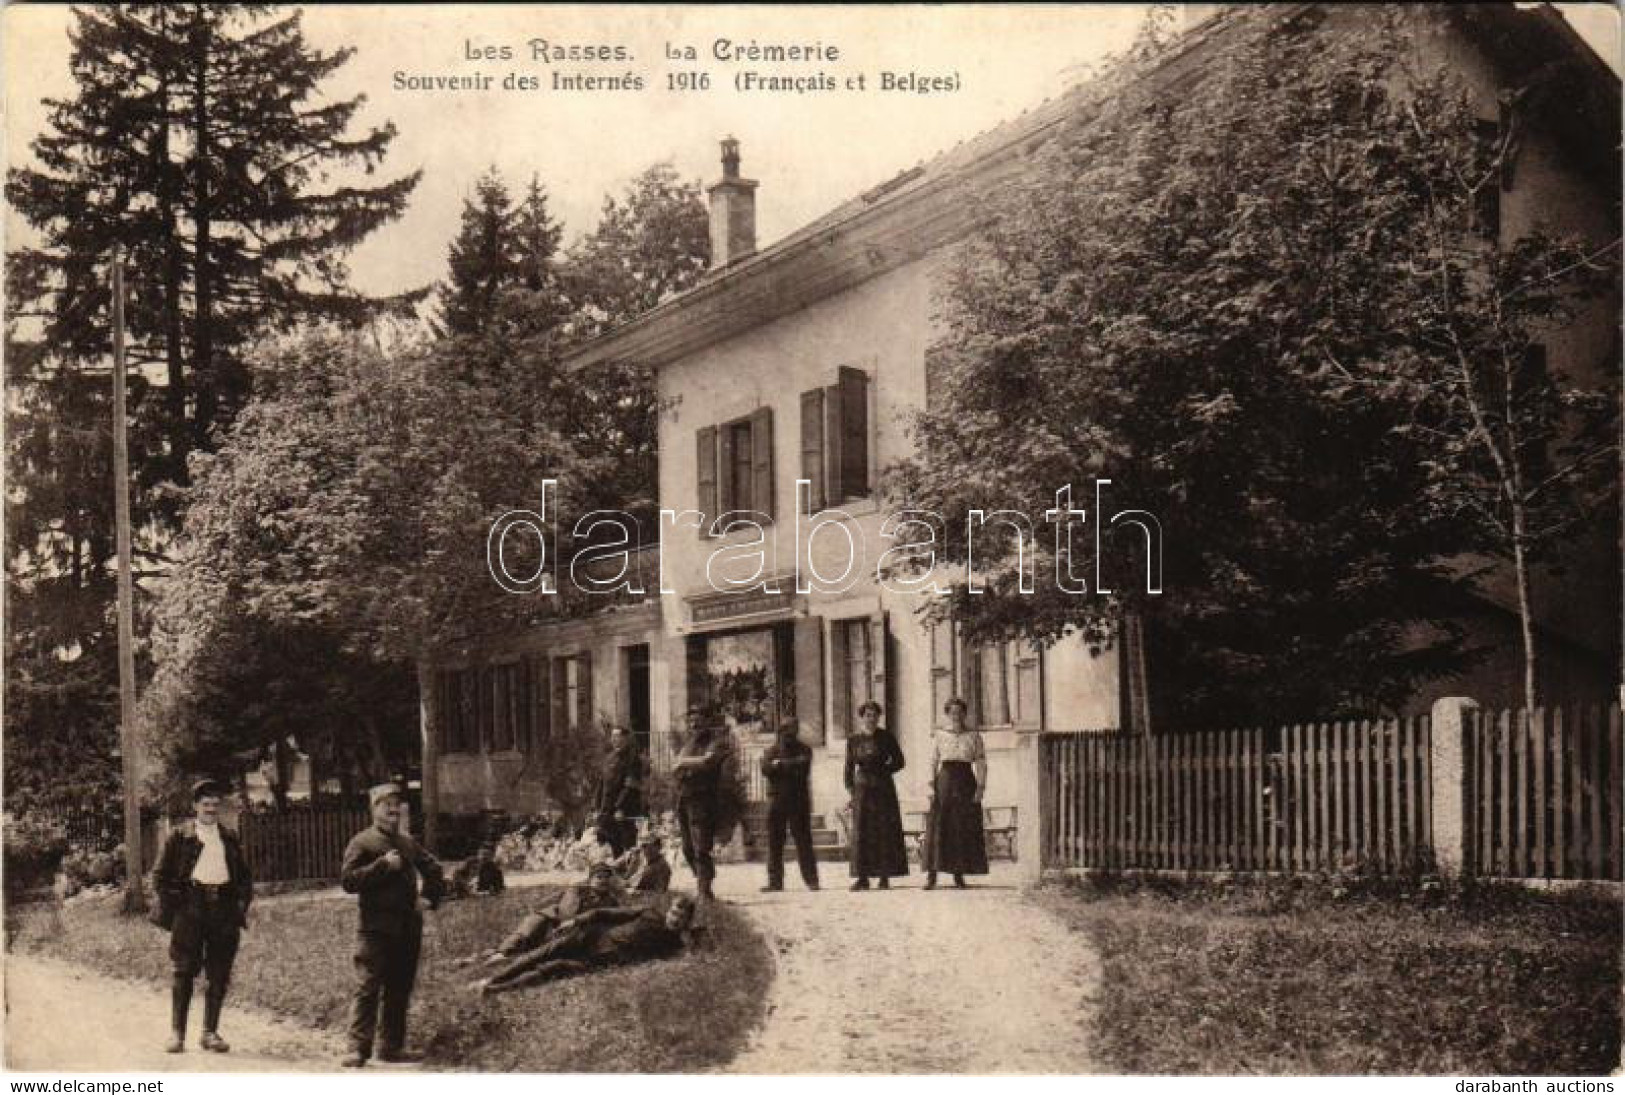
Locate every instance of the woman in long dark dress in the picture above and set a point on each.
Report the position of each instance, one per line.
(954, 838)
(872, 758)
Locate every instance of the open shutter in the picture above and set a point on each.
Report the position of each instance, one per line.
(560, 718)
(486, 684)
(853, 388)
(944, 658)
(761, 460)
(584, 704)
(699, 683)
(808, 637)
(705, 465)
(542, 713)
(1029, 686)
(812, 448)
(727, 481)
(879, 664)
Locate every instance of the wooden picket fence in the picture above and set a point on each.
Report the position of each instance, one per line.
(1545, 792)
(301, 844)
(1336, 795)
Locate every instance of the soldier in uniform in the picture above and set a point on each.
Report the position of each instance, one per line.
(698, 771)
(645, 867)
(602, 889)
(204, 890)
(787, 764)
(601, 937)
(620, 793)
(383, 865)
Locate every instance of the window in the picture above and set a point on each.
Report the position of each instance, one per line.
(510, 723)
(459, 710)
(858, 666)
(835, 440)
(1495, 157)
(734, 467)
(572, 693)
(1000, 682)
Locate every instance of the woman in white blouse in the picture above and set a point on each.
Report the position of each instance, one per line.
(954, 840)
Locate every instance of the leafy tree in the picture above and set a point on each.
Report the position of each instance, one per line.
(197, 138)
(1177, 300)
(651, 243)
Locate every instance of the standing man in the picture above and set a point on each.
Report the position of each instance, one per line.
(620, 792)
(383, 864)
(204, 890)
(698, 771)
(787, 764)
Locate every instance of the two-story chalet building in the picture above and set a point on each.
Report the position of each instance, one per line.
(803, 360)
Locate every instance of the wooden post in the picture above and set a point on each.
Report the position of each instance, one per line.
(1029, 778)
(135, 898)
(428, 720)
(1450, 778)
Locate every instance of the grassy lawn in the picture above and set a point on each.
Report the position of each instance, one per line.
(1280, 978)
(681, 1015)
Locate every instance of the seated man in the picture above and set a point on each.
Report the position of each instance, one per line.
(645, 867)
(602, 889)
(600, 938)
(479, 874)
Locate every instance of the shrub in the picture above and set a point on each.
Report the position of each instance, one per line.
(34, 845)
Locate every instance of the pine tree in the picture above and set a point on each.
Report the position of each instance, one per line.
(197, 139)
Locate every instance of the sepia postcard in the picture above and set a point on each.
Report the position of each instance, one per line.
(1037, 540)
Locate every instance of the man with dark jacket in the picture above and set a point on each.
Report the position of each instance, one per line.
(204, 890)
(698, 770)
(620, 792)
(787, 764)
(382, 865)
(599, 938)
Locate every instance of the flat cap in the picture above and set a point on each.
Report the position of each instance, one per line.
(208, 788)
(377, 794)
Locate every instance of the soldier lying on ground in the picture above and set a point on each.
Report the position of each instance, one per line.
(596, 939)
(602, 888)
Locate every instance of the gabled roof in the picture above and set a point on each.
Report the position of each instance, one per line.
(916, 211)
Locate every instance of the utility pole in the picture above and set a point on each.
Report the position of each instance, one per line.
(135, 898)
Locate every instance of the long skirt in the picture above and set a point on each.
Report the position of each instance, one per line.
(877, 830)
(954, 840)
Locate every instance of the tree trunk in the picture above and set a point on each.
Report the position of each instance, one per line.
(429, 723)
(1526, 623)
(174, 328)
(279, 773)
(203, 365)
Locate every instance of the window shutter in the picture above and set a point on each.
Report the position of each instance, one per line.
(697, 676)
(761, 460)
(943, 658)
(812, 447)
(584, 704)
(486, 686)
(501, 727)
(540, 675)
(879, 662)
(705, 474)
(809, 672)
(853, 386)
(727, 500)
(1029, 690)
(559, 721)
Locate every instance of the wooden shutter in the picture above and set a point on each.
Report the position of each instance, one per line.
(1029, 686)
(761, 460)
(542, 710)
(584, 704)
(727, 496)
(853, 388)
(487, 687)
(560, 719)
(812, 448)
(944, 658)
(705, 474)
(808, 636)
(879, 665)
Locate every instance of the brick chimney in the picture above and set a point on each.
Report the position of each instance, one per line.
(733, 211)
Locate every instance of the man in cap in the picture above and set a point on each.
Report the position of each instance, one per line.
(787, 764)
(383, 865)
(620, 792)
(601, 890)
(698, 770)
(204, 890)
(645, 867)
(599, 938)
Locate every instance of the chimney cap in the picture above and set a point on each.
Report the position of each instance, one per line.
(730, 157)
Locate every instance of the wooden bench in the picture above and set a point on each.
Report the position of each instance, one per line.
(998, 823)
